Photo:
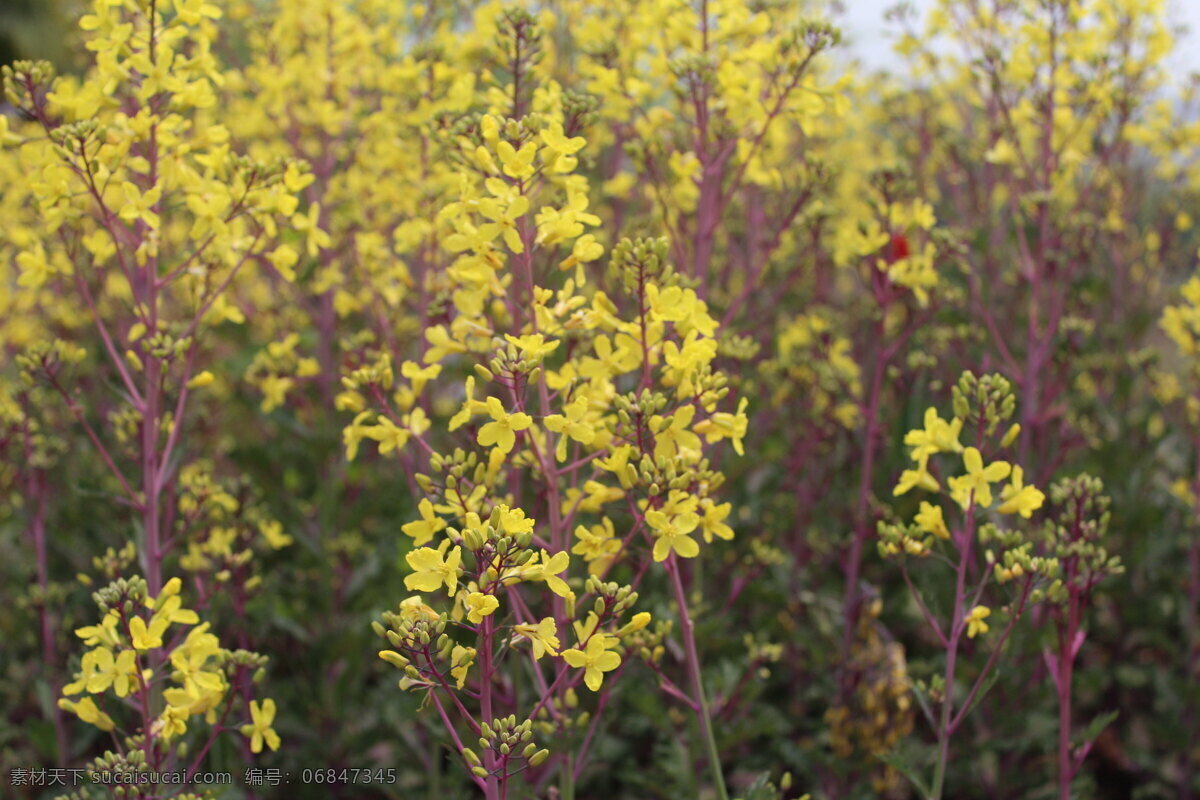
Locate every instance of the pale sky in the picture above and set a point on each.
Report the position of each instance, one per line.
(870, 38)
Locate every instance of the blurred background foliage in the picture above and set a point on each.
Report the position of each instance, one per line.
(772, 641)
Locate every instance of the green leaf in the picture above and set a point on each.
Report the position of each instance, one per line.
(761, 789)
(923, 702)
(988, 683)
(1096, 726)
(901, 765)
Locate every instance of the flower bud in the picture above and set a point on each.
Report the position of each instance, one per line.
(394, 658)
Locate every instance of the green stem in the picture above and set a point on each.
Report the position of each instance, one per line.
(945, 727)
(566, 786)
(693, 665)
(491, 785)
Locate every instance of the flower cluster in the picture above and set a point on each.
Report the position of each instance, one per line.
(146, 647)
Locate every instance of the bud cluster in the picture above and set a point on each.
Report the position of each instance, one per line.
(1076, 536)
(378, 373)
(124, 594)
(511, 366)
(898, 538)
(26, 82)
(129, 763)
(114, 562)
(460, 467)
(636, 262)
(416, 638)
(505, 740)
(986, 401)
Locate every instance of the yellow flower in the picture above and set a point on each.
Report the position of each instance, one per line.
(548, 570)
(533, 346)
(87, 710)
(169, 606)
(138, 206)
(564, 148)
(470, 407)
(422, 530)
(930, 520)
(618, 464)
(938, 436)
(272, 531)
(501, 431)
(461, 659)
(479, 606)
(598, 546)
(103, 634)
(314, 238)
(975, 621)
(441, 344)
(419, 376)
(543, 637)
(613, 357)
(918, 477)
(147, 638)
(390, 436)
(713, 522)
(585, 249)
(555, 138)
(1018, 498)
(189, 660)
(595, 660)
(432, 570)
(101, 670)
(504, 220)
(571, 426)
(685, 363)
(274, 389)
(354, 433)
(517, 163)
(260, 730)
(976, 484)
(171, 724)
(724, 425)
(414, 608)
(513, 520)
(36, 268)
(672, 533)
(672, 436)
